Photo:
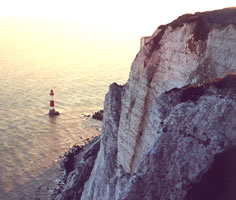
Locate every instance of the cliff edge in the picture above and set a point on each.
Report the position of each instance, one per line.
(168, 128)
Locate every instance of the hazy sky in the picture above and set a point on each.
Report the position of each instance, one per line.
(138, 17)
(88, 27)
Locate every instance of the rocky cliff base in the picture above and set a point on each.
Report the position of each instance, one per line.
(194, 158)
(77, 165)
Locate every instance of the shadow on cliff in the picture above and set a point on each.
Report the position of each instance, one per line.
(219, 182)
(194, 92)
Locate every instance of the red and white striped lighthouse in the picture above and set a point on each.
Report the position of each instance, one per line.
(52, 110)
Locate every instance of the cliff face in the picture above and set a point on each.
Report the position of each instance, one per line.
(157, 144)
(196, 124)
(193, 49)
(101, 183)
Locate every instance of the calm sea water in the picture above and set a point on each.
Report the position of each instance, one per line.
(30, 141)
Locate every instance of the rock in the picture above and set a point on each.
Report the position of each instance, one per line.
(219, 182)
(167, 126)
(53, 113)
(77, 165)
(101, 182)
(192, 50)
(68, 161)
(86, 115)
(98, 115)
(193, 134)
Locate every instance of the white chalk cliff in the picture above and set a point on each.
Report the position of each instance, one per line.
(158, 141)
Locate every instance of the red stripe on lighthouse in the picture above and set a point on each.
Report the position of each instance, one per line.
(52, 103)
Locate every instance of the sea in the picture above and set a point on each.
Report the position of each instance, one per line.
(79, 68)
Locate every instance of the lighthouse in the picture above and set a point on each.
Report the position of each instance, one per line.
(52, 111)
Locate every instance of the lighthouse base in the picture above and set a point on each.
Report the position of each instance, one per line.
(53, 113)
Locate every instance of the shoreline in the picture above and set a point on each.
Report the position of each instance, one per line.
(78, 158)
